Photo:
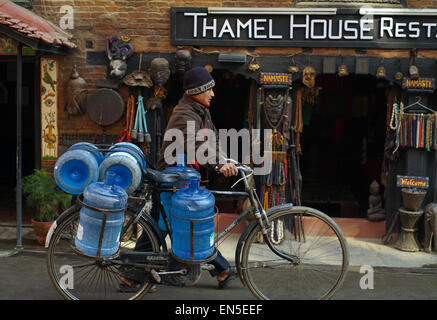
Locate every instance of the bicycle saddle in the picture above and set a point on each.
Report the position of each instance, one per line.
(161, 177)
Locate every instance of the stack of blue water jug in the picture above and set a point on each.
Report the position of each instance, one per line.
(82, 164)
(78, 171)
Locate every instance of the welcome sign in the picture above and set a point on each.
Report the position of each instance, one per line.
(313, 28)
(412, 182)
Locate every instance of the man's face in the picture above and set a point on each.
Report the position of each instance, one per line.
(205, 97)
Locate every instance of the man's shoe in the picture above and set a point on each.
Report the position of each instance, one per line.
(225, 283)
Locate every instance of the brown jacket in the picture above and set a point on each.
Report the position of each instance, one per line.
(190, 110)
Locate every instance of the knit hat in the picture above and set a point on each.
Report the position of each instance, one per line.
(197, 80)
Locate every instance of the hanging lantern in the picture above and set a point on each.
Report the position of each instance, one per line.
(253, 65)
(208, 68)
(293, 68)
(398, 75)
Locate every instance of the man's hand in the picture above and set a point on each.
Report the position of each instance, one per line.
(229, 170)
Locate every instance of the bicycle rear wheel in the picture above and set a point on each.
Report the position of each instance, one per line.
(79, 277)
(313, 240)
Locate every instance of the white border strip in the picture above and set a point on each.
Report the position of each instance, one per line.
(398, 12)
(273, 11)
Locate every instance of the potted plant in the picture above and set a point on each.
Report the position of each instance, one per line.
(41, 191)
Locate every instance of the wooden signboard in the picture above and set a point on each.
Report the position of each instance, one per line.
(419, 85)
(49, 109)
(412, 182)
(274, 79)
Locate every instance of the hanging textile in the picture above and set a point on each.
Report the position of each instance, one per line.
(125, 134)
(298, 122)
(413, 130)
(140, 130)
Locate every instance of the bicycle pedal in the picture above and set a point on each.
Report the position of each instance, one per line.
(155, 275)
(208, 267)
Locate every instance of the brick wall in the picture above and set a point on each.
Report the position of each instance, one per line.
(147, 23)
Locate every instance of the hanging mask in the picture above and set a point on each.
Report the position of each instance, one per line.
(309, 77)
(118, 49)
(159, 71)
(342, 70)
(274, 104)
(182, 60)
(414, 72)
(138, 79)
(380, 73)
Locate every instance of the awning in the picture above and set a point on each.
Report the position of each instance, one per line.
(32, 30)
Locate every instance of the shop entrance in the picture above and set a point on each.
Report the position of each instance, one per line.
(343, 143)
(8, 134)
(229, 109)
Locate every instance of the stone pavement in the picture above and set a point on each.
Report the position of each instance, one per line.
(370, 252)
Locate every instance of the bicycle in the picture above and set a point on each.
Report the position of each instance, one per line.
(309, 262)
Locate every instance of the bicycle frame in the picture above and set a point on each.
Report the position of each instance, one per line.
(255, 207)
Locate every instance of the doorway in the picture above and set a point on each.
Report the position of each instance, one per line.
(229, 110)
(8, 134)
(343, 143)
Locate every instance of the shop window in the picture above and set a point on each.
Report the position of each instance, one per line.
(356, 2)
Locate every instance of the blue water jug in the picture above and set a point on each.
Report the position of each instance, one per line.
(102, 195)
(127, 161)
(185, 174)
(78, 167)
(193, 223)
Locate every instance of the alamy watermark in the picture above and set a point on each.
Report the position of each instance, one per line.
(67, 280)
(202, 146)
(367, 281)
(67, 20)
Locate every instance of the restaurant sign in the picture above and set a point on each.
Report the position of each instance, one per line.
(315, 27)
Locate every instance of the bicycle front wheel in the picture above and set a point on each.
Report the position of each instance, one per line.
(317, 246)
(79, 277)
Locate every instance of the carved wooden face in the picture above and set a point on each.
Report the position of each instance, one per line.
(309, 77)
(159, 71)
(182, 60)
(118, 68)
(274, 105)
